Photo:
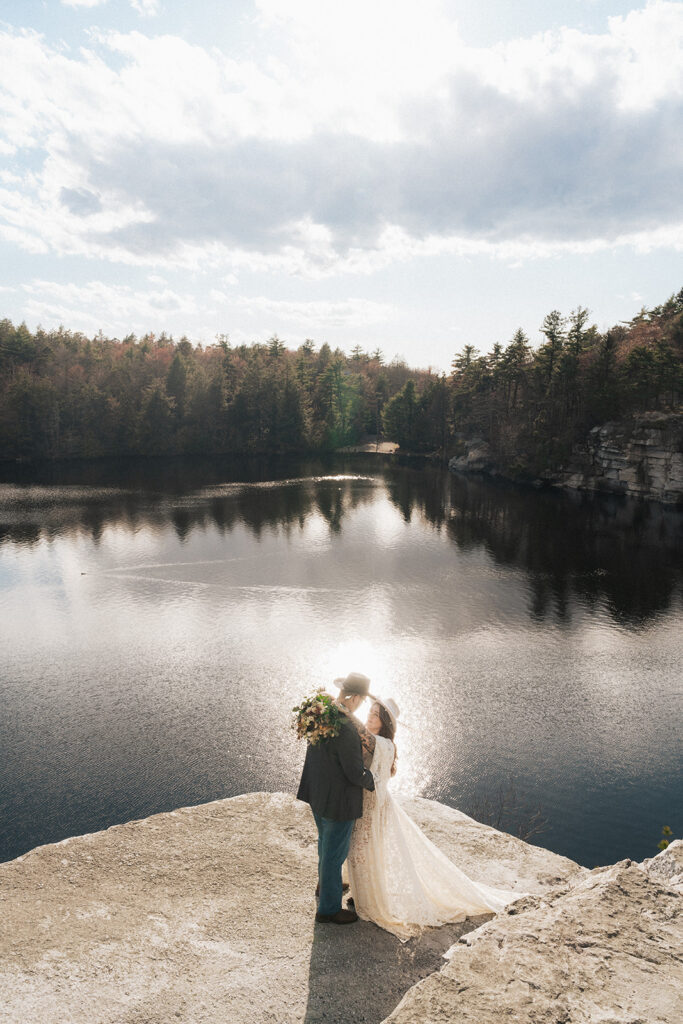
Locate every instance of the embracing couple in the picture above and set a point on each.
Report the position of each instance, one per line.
(398, 878)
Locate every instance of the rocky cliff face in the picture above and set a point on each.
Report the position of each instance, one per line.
(606, 947)
(477, 458)
(642, 456)
(206, 915)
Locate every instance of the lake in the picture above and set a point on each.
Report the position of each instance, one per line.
(158, 621)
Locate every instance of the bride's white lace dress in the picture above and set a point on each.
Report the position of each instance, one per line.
(399, 878)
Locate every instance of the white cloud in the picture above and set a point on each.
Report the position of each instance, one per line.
(219, 295)
(83, 3)
(357, 63)
(97, 305)
(119, 309)
(317, 315)
(146, 7)
(368, 134)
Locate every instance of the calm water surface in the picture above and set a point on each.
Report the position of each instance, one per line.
(158, 621)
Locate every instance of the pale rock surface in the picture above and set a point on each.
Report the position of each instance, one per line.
(667, 866)
(371, 446)
(607, 948)
(477, 458)
(206, 915)
(642, 457)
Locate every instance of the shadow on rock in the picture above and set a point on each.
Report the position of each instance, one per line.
(359, 973)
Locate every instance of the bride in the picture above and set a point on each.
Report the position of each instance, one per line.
(398, 877)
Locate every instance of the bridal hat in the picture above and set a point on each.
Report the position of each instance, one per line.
(354, 682)
(391, 707)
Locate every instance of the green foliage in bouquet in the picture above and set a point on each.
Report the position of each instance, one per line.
(317, 718)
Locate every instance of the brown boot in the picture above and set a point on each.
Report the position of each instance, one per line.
(341, 917)
(345, 888)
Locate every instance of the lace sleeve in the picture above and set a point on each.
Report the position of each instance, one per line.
(381, 767)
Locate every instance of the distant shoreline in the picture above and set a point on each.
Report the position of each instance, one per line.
(370, 447)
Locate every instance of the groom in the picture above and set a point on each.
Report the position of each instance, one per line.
(332, 782)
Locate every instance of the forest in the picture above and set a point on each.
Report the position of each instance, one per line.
(64, 395)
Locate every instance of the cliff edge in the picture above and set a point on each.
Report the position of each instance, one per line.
(641, 457)
(206, 915)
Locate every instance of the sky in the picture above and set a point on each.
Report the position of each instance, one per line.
(409, 176)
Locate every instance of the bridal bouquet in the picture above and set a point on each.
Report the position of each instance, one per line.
(317, 718)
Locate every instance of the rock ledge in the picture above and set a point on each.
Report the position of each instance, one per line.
(206, 915)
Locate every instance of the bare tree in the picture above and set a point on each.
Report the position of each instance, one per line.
(503, 809)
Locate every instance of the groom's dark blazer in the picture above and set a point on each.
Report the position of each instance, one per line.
(333, 778)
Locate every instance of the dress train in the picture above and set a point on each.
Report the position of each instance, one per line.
(399, 878)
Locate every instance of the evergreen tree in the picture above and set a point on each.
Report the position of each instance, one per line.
(400, 415)
(549, 353)
(64, 395)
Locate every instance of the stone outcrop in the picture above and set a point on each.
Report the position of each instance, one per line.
(641, 457)
(605, 948)
(206, 915)
(476, 458)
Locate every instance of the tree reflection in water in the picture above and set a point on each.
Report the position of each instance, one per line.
(622, 552)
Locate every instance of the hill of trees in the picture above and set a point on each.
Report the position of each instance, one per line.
(64, 395)
(532, 405)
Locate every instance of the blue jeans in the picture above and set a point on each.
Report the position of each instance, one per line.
(334, 838)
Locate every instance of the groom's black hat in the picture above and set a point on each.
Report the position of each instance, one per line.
(354, 682)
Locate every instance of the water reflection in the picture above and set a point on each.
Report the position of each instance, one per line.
(627, 552)
(624, 553)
